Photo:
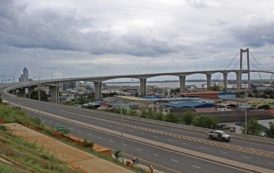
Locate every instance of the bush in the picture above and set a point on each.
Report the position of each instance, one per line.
(253, 127)
(117, 154)
(205, 121)
(266, 107)
(270, 131)
(3, 128)
(172, 118)
(88, 144)
(188, 118)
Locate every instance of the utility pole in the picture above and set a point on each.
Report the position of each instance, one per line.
(122, 132)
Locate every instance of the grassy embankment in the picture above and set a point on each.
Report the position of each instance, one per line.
(17, 115)
(22, 155)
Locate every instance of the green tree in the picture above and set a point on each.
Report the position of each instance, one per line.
(270, 131)
(266, 107)
(188, 118)
(172, 118)
(215, 88)
(205, 121)
(117, 154)
(253, 127)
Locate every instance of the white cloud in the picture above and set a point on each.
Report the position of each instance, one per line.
(120, 36)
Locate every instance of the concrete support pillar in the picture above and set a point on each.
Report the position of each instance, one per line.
(98, 90)
(54, 94)
(238, 80)
(21, 92)
(225, 81)
(30, 91)
(182, 83)
(13, 92)
(143, 91)
(208, 81)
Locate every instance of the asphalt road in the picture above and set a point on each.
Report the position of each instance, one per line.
(254, 153)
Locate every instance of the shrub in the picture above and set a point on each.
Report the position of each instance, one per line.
(3, 128)
(205, 121)
(266, 107)
(117, 154)
(188, 118)
(270, 131)
(88, 144)
(253, 127)
(172, 118)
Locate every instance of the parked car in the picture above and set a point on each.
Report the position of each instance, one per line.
(219, 135)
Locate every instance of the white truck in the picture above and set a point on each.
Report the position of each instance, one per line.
(219, 135)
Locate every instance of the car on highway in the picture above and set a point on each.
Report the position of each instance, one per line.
(219, 135)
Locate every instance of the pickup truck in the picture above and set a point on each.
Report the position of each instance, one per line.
(219, 135)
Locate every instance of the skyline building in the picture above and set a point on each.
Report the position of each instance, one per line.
(25, 76)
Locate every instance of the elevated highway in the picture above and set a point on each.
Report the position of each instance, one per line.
(20, 88)
(171, 148)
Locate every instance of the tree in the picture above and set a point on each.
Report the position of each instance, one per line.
(270, 131)
(171, 118)
(215, 88)
(266, 107)
(117, 154)
(205, 121)
(253, 127)
(188, 118)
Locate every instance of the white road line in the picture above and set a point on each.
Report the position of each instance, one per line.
(195, 166)
(174, 160)
(90, 134)
(154, 154)
(139, 149)
(223, 152)
(245, 157)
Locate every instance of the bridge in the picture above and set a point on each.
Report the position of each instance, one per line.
(172, 148)
(20, 88)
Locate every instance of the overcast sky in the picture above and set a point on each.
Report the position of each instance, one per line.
(68, 38)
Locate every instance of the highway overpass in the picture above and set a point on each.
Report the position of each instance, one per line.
(19, 89)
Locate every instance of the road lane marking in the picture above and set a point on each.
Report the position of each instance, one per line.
(174, 160)
(245, 157)
(223, 152)
(154, 154)
(195, 166)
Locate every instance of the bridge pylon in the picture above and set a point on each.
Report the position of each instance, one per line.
(242, 52)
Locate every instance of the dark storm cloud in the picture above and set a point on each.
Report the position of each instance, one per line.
(59, 30)
(257, 35)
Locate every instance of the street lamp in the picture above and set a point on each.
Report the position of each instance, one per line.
(122, 131)
(39, 90)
